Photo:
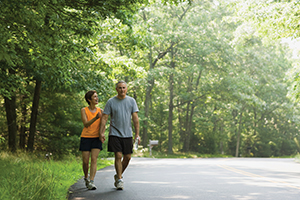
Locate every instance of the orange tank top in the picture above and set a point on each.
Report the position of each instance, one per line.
(93, 130)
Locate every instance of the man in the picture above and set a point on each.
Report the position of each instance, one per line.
(121, 109)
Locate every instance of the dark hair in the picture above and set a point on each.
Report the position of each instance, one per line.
(88, 95)
(120, 82)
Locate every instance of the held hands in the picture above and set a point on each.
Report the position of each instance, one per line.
(102, 138)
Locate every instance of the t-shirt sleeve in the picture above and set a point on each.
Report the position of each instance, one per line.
(134, 107)
(107, 109)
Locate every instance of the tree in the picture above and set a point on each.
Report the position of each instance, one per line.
(39, 37)
(272, 20)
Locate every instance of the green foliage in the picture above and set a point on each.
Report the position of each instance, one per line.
(2, 139)
(157, 154)
(229, 83)
(241, 87)
(297, 158)
(29, 177)
(274, 19)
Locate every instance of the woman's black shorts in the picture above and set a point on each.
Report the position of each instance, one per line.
(117, 144)
(87, 144)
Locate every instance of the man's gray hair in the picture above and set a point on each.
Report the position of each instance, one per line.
(121, 81)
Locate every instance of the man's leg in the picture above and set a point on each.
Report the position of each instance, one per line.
(125, 162)
(118, 164)
(94, 157)
(121, 165)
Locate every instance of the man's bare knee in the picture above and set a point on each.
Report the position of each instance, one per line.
(118, 155)
(127, 157)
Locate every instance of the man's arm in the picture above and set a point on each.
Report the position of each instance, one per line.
(102, 127)
(136, 125)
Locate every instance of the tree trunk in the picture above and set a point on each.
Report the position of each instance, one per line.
(186, 133)
(170, 120)
(239, 135)
(221, 142)
(181, 125)
(22, 141)
(147, 106)
(189, 114)
(34, 113)
(11, 116)
(150, 84)
(171, 105)
(189, 128)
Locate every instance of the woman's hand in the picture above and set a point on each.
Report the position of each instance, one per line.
(99, 115)
(102, 138)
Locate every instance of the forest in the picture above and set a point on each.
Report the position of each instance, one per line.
(209, 76)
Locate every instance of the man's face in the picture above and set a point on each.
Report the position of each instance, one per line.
(122, 90)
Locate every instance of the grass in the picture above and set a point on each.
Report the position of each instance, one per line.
(25, 176)
(155, 154)
(145, 153)
(297, 158)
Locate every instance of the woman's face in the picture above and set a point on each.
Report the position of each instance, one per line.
(94, 99)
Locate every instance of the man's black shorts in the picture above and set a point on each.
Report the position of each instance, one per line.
(87, 144)
(117, 144)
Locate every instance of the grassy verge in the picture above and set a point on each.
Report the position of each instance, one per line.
(155, 154)
(297, 158)
(25, 176)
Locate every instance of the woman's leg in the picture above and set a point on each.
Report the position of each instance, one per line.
(94, 157)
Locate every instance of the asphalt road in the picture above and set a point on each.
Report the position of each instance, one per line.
(207, 179)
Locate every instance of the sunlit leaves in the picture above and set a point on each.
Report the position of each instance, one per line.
(274, 19)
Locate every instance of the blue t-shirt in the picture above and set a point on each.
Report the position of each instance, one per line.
(120, 111)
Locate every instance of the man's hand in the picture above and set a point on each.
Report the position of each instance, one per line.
(102, 127)
(139, 139)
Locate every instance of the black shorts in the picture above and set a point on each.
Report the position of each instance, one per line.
(117, 144)
(87, 144)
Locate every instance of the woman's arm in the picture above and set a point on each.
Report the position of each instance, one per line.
(85, 122)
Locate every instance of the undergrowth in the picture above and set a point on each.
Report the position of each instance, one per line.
(26, 176)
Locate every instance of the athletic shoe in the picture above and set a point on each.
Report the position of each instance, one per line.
(91, 186)
(116, 179)
(120, 184)
(86, 182)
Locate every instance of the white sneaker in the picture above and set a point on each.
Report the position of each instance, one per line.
(91, 186)
(120, 184)
(116, 179)
(86, 182)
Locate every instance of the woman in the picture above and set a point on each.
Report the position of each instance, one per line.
(90, 143)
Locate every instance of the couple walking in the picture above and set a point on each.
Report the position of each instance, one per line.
(121, 109)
